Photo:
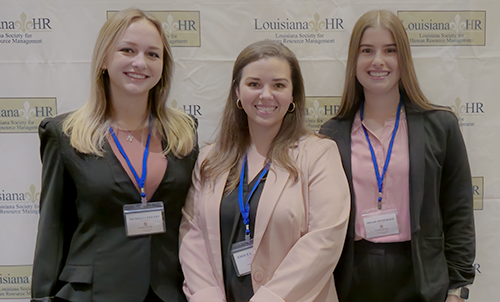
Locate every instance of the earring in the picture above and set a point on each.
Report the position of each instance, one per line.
(239, 105)
(293, 107)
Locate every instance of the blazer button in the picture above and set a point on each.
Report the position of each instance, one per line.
(258, 276)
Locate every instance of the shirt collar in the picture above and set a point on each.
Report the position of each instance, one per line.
(356, 125)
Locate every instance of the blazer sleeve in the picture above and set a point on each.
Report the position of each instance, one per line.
(309, 265)
(456, 204)
(57, 215)
(200, 283)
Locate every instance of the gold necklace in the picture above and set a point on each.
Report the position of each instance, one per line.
(130, 136)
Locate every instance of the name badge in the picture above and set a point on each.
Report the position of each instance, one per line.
(383, 224)
(144, 219)
(242, 255)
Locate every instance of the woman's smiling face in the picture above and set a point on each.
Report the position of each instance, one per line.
(266, 92)
(136, 62)
(377, 67)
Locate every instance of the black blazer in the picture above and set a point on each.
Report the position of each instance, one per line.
(82, 252)
(441, 204)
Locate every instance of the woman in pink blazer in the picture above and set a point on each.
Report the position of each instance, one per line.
(266, 216)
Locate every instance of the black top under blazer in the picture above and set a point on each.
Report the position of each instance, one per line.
(82, 253)
(441, 205)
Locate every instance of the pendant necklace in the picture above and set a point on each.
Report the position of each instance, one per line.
(130, 136)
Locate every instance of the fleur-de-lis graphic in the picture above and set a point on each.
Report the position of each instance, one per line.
(23, 25)
(27, 113)
(32, 195)
(316, 111)
(458, 26)
(457, 108)
(170, 26)
(173, 104)
(317, 25)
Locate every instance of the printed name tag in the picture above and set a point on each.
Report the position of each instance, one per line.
(242, 257)
(144, 219)
(381, 225)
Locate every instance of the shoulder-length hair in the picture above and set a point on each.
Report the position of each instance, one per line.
(88, 125)
(234, 138)
(408, 84)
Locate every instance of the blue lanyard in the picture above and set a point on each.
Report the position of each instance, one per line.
(142, 180)
(380, 179)
(245, 207)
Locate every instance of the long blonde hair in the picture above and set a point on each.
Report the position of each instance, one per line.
(234, 138)
(87, 126)
(408, 84)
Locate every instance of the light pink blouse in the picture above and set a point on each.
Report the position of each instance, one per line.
(395, 191)
(134, 148)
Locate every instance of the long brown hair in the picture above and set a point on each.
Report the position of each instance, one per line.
(87, 126)
(408, 84)
(234, 138)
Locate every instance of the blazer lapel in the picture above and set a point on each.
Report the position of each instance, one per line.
(211, 202)
(119, 174)
(275, 183)
(343, 140)
(416, 147)
(174, 166)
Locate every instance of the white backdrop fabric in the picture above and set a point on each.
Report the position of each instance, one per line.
(46, 46)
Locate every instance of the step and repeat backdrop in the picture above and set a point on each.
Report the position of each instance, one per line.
(46, 46)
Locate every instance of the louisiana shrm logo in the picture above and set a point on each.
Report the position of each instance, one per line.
(15, 282)
(23, 30)
(319, 110)
(182, 28)
(316, 30)
(192, 109)
(20, 203)
(23, 115)
(467, 112)
(445, 28)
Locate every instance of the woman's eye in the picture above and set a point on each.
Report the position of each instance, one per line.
(253, 84)
(154, 55)
(365, 50)
(127, 50)
(279, 85)
(390, 50)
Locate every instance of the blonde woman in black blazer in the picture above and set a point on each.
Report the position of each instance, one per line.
(83, 251)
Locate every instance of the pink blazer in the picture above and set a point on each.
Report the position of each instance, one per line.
(299, 230)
